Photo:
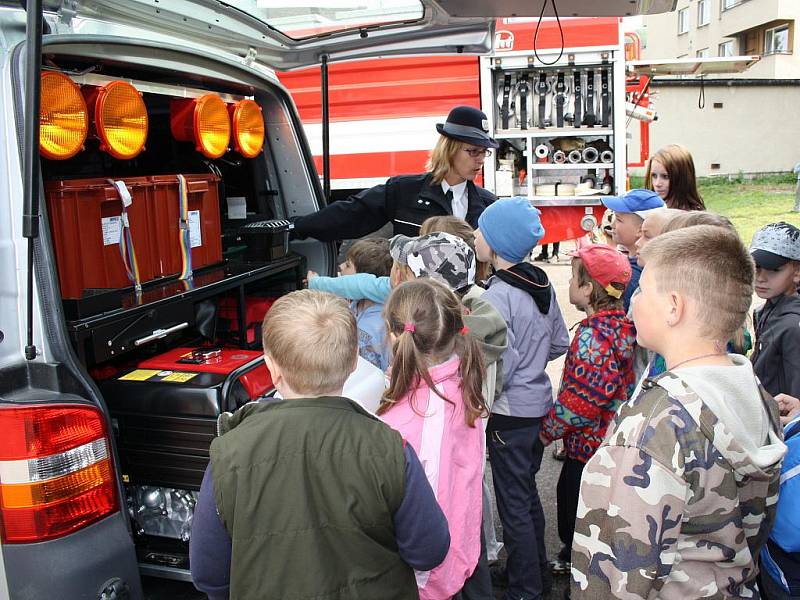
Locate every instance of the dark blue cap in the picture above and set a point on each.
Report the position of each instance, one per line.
(467, 124)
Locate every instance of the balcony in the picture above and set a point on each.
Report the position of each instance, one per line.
(749, 14)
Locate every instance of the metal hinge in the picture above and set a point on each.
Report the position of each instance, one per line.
(250, 57)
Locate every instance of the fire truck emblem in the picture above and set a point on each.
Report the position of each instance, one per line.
(503, 41)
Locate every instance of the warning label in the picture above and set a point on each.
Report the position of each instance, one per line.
(112, 228)
(156, 376)
(195, 234)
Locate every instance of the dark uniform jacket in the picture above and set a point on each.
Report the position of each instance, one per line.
(405, 201)
(776, 358)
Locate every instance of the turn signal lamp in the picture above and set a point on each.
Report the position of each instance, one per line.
(204, 121)
(248, 128)
(119, 117)
(63, 118)
(56, 474)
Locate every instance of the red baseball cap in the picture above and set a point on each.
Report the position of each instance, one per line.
(606, 265)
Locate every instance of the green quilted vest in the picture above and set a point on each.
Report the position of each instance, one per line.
(307, 489)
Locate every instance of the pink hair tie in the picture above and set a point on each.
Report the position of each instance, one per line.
(464, 330)
(409, 327)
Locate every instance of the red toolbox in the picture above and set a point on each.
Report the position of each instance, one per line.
(86, 224)
(247, 366)
(205, 231)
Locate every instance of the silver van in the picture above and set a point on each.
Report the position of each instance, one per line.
(151, 163)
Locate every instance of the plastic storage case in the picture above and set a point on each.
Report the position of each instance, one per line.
(86, 221)
(266, 240)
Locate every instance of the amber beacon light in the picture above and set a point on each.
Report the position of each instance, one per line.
(204, 121)
(248, 128)
(63, 118)
(119, 116)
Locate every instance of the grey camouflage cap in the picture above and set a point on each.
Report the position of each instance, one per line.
(440, 256)
(775, 244)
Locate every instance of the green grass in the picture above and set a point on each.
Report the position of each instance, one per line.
(749, 204)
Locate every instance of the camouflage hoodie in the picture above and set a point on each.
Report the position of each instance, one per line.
(672, 505)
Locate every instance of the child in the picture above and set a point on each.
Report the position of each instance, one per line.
(444, 258)
(630, 211)
(780, 557)
(679, 498)
(776, 358)
(653, 225)
(311, 496)
(598, 376)
(369, 255)
(435, 401)
(508, 230)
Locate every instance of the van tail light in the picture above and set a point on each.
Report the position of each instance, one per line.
(56, 471)
(63, 118)
(248, 127)
(204, 121)
(119, 118)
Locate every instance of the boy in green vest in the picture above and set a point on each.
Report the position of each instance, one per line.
(311, 496)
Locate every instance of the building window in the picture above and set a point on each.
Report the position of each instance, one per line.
(776, 40)
(727, 49)
(703, 12)
(683, 21)
(727, 4)
(702, 53)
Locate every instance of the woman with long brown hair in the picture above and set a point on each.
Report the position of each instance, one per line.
(435, 401)
(670, 174)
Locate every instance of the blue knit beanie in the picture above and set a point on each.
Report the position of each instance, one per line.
(511, 227)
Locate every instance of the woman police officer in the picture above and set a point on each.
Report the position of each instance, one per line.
(407, 200)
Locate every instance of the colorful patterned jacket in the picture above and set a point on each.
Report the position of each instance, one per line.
(598, 378)
(671, 506)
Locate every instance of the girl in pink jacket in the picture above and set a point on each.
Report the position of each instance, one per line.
(435, 402)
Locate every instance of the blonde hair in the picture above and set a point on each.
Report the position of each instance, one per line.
(710, 265)
(599, 299)
(308, 319)
(426, 320)
(690, 219)
(442, 157)
(679, 165)
(459, 228)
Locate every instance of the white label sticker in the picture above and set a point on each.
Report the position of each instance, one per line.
(237, 207)
(112, 228)
(195, 234)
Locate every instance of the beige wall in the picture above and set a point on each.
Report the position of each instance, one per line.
(757, 130)
(663, 40)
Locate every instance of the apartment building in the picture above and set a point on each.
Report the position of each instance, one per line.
(747, 122)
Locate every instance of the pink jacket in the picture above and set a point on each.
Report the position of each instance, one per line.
(452, 454)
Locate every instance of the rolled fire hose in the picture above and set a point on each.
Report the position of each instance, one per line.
(559, 157)
(607, 156)
(590, 154)
(574, 156)
(542, 152)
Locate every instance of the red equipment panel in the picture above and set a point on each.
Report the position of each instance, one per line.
(222, 361)
(85, 222)
(255, 309)
(206, 231)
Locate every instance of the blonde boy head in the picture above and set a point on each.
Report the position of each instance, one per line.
(310, 343)
(710, 267)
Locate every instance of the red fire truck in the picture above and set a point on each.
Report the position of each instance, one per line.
(555, 104)
(559, 96)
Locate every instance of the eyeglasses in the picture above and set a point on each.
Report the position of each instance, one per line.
(477, 152)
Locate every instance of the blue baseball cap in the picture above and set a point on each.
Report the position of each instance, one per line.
(639, 202)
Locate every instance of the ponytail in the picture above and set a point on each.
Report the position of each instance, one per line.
(425, 319)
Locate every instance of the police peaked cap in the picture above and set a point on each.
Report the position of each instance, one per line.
(469, 125)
